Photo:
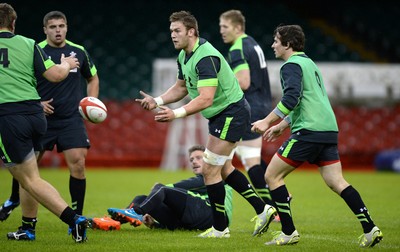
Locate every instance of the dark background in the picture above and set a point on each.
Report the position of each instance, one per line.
(123, 37)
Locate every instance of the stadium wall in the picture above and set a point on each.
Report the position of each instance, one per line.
(366, 100)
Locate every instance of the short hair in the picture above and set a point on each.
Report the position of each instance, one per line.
(54, 15)
(7, 16)
(291, 35)
(236, 17)
(197, 147)
(187, 19)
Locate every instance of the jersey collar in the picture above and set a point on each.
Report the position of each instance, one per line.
(198, 43)
(6, 34)
(296, 54)
(241, 36)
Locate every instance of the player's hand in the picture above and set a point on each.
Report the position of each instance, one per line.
(47, 108)
(147, 102)
(164, 115)
(71, 60)
(148, 221)
(273, 133)
(260, 126)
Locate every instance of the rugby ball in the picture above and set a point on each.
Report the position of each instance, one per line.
(92, 109)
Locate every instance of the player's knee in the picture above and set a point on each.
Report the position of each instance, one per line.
(269, 177)
(77, 170)
(337, 186)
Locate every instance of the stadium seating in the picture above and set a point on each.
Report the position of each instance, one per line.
(130, 137)
(124, 37)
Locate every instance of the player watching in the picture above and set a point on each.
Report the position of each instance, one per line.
(181, 205)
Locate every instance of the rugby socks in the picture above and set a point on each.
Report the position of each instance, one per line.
(354, 201)
(14, 191)
(282, 202)
(77, 189)
(256, 175)
(28, 223)
(68, 216)
(216, 195)
(239, 183)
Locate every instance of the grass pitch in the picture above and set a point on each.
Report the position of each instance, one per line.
(324, 221)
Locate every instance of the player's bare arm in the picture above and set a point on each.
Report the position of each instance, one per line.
(93, 86)
(175, 93)
(201, 102)
(60, 71)
(243, 77)
(204, 100)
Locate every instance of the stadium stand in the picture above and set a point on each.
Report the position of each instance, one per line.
(125, 37)
(367, 27)
(131, 138)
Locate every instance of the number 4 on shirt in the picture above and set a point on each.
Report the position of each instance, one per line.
(4, 57)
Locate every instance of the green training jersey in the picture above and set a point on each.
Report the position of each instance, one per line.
(314, 112)
(17, 69)
(196, 76)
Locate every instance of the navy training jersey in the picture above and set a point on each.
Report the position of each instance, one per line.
(194, 184)
(66, 94)
(245, 53)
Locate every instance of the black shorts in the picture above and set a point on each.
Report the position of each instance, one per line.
(296, 152)
(250, 135)
(65, 134)
(176, 208)
(19, 135)
(232, 123)
(256, 114)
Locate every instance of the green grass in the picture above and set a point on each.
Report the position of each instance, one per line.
(322, 218)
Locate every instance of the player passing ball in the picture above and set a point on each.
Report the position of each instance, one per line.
(206, 77)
